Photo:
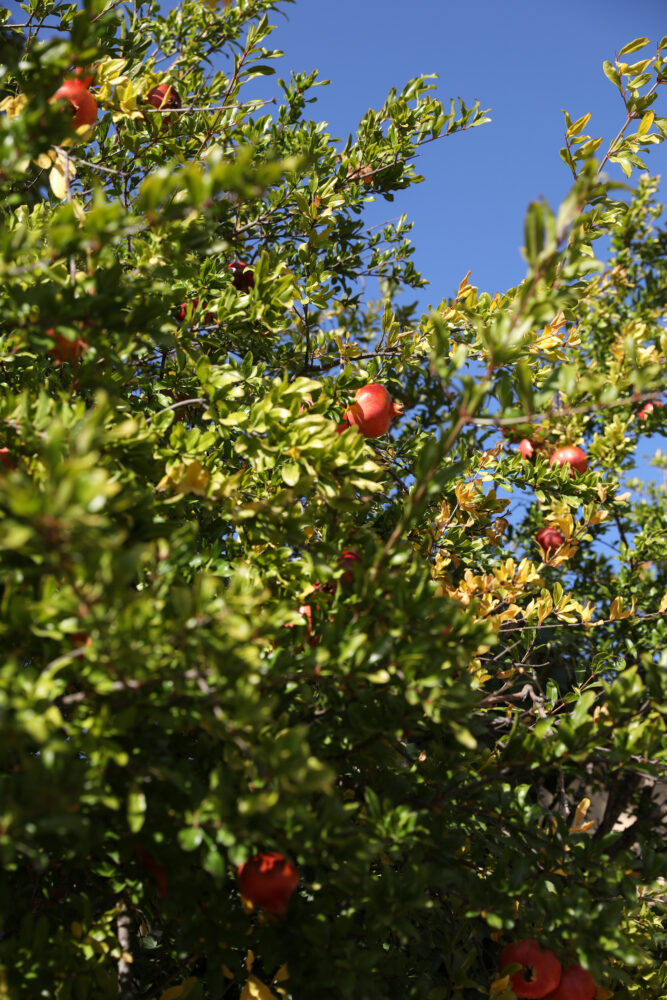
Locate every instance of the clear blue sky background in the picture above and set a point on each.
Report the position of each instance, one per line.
(524, 59)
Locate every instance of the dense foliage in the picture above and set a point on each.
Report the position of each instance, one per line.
(232, 623)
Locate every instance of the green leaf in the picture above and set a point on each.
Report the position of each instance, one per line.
(633, 46)
(136, 808)
(612, 74)
(190, 837)
(579, 125)
(291, 473)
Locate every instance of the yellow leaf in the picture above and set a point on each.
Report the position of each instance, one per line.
(544, 607)
(663, 603)
(499, 985)
(578, 824)
(190, 478)
(227, 972)
(465, 289)
(255, 989)
(282, 974)
(617, 610)
(60, 176)
(587, 612)
(13, 106)
(645, 123)
(44, 160)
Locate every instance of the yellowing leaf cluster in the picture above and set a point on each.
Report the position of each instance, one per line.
(617, 611)
(466, 292)
(471, 498)
(555, 341)
(13, 105)
(186, 477)
(495, 593)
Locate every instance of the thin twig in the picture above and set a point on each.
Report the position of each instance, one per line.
(564, 411)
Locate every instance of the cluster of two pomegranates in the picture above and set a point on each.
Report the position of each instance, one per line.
(84, 106)
(548, 538)
(372, 412)
(541, 975)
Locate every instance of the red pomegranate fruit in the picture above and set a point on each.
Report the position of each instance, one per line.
(347, 560)
(549, 539)
(540, 970)
(268, 880)
(576, 457)
(648, 408)
(575, 984)
(243, 277)
(372, 411)
(83, 103)
(164, 96)
(64, 349)
(7, 459)
(183, 310)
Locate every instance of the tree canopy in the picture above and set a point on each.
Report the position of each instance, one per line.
(241, 616)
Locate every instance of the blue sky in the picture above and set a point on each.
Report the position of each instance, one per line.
(524, 59)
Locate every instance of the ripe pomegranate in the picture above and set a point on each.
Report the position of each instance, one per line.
(648, 408)
(7, 460)
(549, 539)
(183, 311)
(575, 984)
(347, 560)
(372, 411)
(268, 880)
(572, 454)
(64, 349)
(82, 101)
(540, 970)
(243, 276)
(161, 97)
(164, 96)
